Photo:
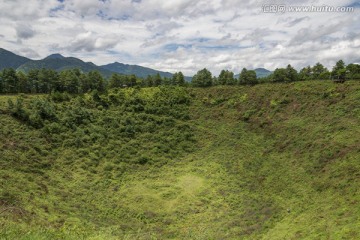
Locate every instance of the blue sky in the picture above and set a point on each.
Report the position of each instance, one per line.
(181, 35)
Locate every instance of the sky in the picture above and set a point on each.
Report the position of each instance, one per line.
(182, 35)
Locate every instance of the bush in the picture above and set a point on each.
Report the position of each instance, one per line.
(17, 110)
(59, 97)
(45, 109)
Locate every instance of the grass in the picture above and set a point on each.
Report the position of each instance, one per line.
(272, 161)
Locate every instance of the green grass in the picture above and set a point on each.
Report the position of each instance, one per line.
(272, 161)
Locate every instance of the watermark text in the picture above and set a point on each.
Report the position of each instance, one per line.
(282, 8)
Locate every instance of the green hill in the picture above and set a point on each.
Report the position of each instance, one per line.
(11, 60)
(262, 72)
(271, 161)
(139, 71)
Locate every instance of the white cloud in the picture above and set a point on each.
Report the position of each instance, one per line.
(18, 10)
(28, 52)
(24, 31)
(180, 34)
(90, 41)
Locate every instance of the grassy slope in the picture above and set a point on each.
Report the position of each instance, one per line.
(302, 178)
(271, 162)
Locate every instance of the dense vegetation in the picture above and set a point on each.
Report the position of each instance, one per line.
(46, 80)
(75, 81)
(269, 161)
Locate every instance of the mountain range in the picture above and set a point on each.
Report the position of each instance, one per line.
(58, 62)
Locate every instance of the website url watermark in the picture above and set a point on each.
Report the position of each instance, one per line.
(282, 8)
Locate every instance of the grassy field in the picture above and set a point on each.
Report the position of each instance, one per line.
(271, 161)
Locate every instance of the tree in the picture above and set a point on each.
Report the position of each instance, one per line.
(325, 75)
(96, 80)
(47, 80)
(215, 81)
(280, 75)
(251, 77)
(243, 76)
(353, 71)
(305, 74)
(115, 81)
(319, 71)
(291, 73)
(226, 77)
(247, 77)
(9, 80)
(157, 80)
(166, 81)
(173, 79)
(131, 80)
(33, 81)
(178, 79)
(339, 70)
(148, 81)
(70, 81)
(85, 83)
(203, 78)
(23, 82)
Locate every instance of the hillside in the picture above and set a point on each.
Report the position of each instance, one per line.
(58, 62)
(270, 161)
(262, 72)
(139, 71)
(10, 60)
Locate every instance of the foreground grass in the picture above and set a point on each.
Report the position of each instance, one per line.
(267, 162)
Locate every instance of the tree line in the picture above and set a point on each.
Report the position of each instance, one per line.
(76, 81)
(340, 71)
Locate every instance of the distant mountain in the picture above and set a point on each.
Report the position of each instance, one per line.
(11, 60)
(139, 71)
(58, 62)
(260, 72)
(55, 56)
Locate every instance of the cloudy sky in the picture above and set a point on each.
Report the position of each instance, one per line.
(182, 35)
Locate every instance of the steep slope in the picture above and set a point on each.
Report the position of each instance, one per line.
(271, 161)
(139, 71)
(11, 60)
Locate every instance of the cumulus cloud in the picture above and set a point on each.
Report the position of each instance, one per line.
(257, 35)
(19, 10)
(89, 42)
(181, 34)
(24, 31)
(322, 31)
